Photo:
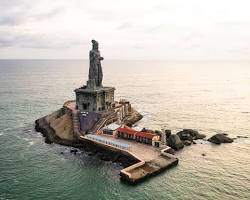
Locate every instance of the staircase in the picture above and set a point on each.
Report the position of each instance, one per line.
(76, 124)
(103, 121)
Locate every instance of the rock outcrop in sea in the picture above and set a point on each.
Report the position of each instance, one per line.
(175, 142)
(57, 127)
(220, 138)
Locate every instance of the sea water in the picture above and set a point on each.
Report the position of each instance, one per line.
(211, 97)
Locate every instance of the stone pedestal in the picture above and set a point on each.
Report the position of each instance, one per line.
(94, 100)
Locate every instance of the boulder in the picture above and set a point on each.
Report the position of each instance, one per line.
(199, 136)
(157, 132)
(187, 142)
(74, 151)
(190, 134)
(185, 135)
(239, 136)
(168, 133)
(220, 138)
(175, 142)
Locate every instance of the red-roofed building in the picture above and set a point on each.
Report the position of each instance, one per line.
(139, 136)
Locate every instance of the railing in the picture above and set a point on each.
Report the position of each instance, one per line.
(108, 142)
(103, 121)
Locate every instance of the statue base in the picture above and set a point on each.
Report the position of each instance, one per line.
(94, 99)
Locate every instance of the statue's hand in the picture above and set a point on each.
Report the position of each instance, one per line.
(101, 58)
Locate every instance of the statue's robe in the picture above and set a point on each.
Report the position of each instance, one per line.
(95, 69)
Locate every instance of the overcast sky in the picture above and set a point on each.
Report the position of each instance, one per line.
(125, 29)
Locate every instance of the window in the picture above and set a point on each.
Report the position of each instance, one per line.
(85, 106)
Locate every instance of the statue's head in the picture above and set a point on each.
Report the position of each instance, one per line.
(94, 44)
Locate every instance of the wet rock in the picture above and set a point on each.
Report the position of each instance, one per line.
(175, 142)
(190, 134)
(220, 138)
(185, 135)
(167, 132)
(74, 151)
(157, 132)
(133, 117)
(47, 140)
(187, 142)
(199, 136)
(241, 136)
(91, 154)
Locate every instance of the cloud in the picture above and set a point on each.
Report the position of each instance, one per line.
(243, 24)
(10, 20)
(37, 41)
(155, 28)
(17, 12)
(175, 28)
(49, 14)
(124, 26)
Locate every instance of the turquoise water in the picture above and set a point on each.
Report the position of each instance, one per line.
(210, 97)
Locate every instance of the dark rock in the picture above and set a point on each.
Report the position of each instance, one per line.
(175, 142)
(220, 138)
(73, 151)
(187, 142)
(194, 142)
(199, 136)
(91, 154)
(133, 117)
(185, 135)
(47, 140)
(157, 132)
(168, 133)
(61, 152)
(203, 154)
(241, 136)
(190, 134)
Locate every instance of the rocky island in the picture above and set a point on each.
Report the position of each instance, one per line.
(99, 124)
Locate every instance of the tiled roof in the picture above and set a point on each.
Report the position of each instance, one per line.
(136, 133)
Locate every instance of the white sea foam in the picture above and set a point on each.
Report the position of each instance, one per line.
(31, 143)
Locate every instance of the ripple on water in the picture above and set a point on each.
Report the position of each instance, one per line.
(175, 96)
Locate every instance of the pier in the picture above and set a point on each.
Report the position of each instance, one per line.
(150, 159)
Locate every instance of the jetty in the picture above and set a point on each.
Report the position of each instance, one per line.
(150, 160)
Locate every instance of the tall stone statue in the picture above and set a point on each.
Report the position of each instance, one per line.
(95, 67)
